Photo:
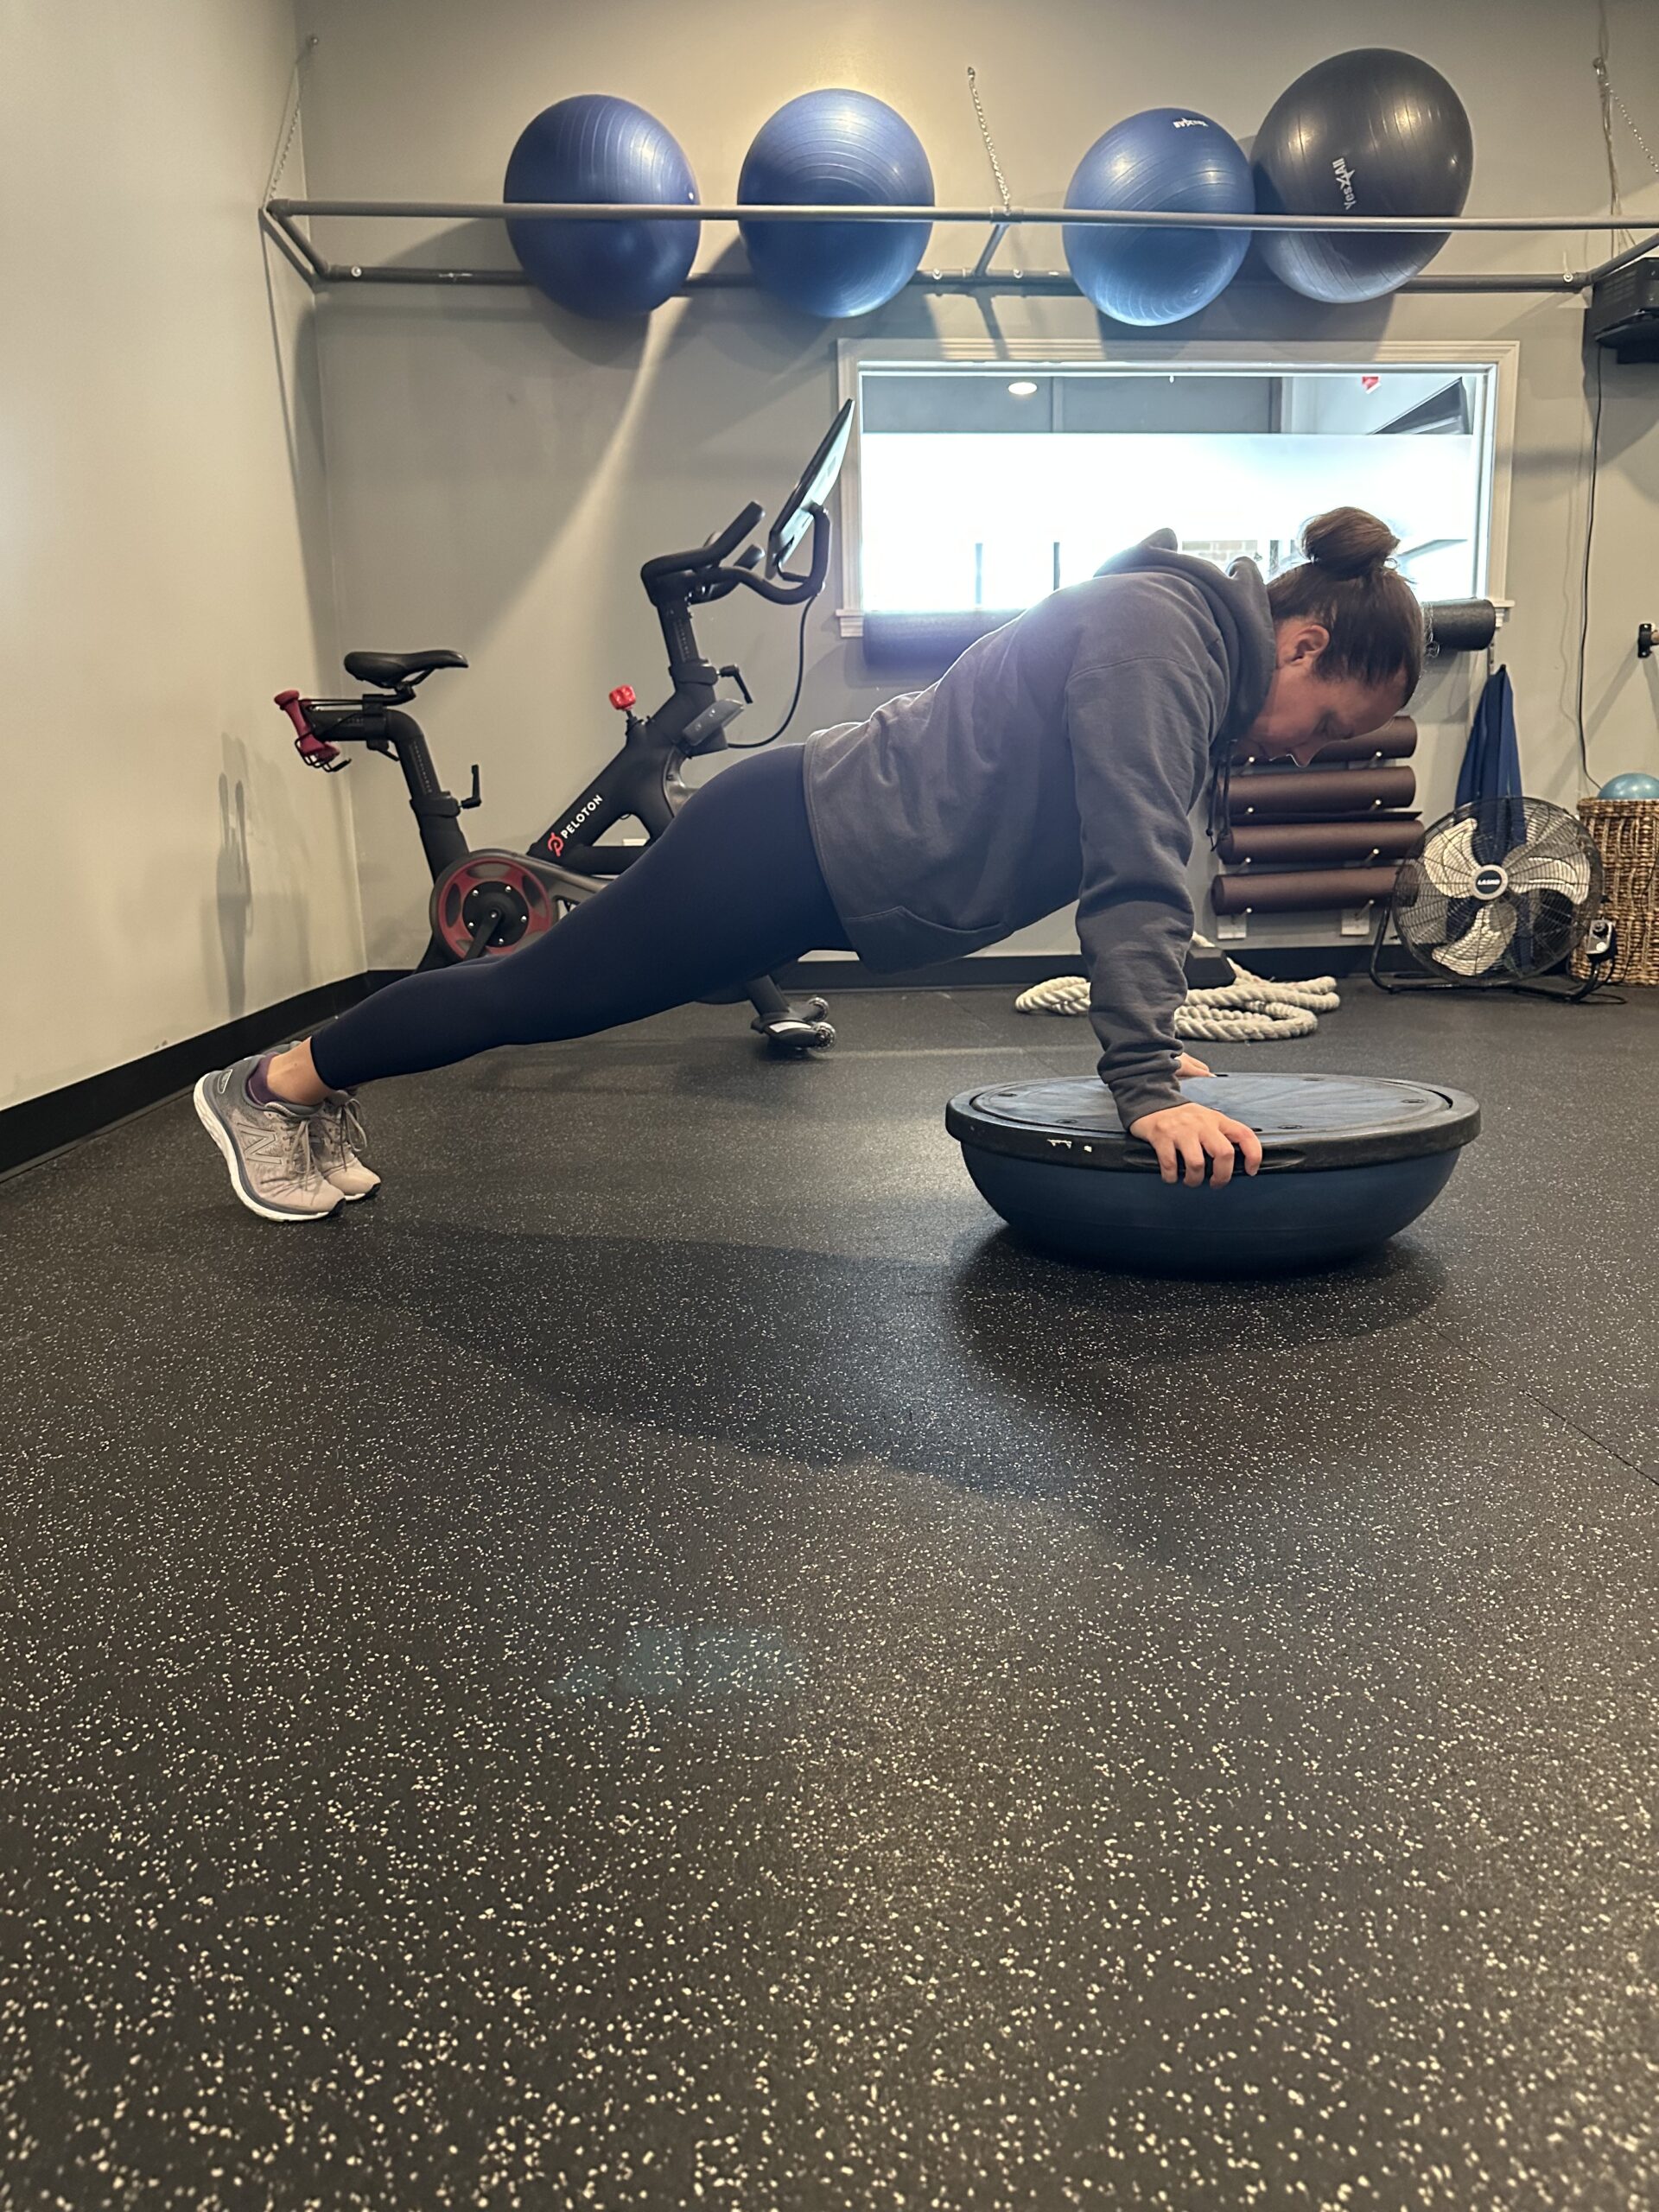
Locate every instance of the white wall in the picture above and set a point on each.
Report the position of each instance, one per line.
(163, 557)
(499, 469)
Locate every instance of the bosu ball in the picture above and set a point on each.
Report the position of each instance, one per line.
(1347, 1162)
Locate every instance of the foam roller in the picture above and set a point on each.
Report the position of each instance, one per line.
(1299, 792)
(928, 642)
(1301, 888)
(1459, 626)
(932, 642)
(1395, 740)
(1380, 837)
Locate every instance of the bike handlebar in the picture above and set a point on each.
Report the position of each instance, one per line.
(705, 556)
(795, 589)
(702, 576)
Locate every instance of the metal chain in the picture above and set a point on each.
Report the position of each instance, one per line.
(295, 91)
(1610, 92)
(985, 133)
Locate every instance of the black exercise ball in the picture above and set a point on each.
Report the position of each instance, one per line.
(595, 148)
(1373, 132)
(1347, 1161)
(1171, 159)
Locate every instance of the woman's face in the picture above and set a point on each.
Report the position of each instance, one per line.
(1305, 711)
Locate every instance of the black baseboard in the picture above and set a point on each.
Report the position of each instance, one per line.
(38, 1127)
(1292, 963)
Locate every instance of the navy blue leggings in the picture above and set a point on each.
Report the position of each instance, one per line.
(731, 890)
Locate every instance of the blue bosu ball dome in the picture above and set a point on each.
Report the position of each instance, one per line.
(1348, 1161)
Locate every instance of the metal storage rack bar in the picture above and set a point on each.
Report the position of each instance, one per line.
(283, 217)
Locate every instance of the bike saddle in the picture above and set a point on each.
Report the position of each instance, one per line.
(390, 670)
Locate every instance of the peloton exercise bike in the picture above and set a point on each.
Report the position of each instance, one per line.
(486, 904)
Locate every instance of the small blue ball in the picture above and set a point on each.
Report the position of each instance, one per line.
(1631, 786)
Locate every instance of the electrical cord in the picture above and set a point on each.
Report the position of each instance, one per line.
(1589, 542)
(760, 743)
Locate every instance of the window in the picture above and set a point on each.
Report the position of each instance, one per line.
(984, 485)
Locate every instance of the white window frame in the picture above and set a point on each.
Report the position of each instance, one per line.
(1494, 428)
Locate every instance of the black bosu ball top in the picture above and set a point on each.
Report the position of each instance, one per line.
(1347, 1162)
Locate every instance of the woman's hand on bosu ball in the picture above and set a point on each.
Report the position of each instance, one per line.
(1191, 1136)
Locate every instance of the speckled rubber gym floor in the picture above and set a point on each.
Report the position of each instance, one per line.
(666, 1661)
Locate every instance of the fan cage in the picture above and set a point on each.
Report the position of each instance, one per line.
(1445, 932)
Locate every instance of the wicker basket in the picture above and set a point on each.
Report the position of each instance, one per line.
(1626, 833)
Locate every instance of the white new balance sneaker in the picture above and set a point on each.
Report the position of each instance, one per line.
(338, 1142)
(266, 1148)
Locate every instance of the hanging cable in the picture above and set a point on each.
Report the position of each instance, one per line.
(1589, 541)
(800, 677)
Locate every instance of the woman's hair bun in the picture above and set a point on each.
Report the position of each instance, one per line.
(1348, 542)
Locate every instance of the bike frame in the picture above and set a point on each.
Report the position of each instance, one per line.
(642, 781)
(492, 898)
(376, 722)
(569, 861)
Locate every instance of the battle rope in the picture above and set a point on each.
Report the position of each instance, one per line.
(1247, 1010)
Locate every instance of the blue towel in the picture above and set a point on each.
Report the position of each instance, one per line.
(1491, 769)
(1490, 778)
(1491, 759)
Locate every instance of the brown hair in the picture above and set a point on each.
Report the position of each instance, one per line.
(1374, 616)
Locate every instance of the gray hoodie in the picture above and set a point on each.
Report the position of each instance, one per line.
(1058, 759)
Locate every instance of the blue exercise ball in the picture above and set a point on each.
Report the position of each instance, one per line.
(1635, 785)
(1167, 158)
(592, 147)
(835, 149)
(1373, 132)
